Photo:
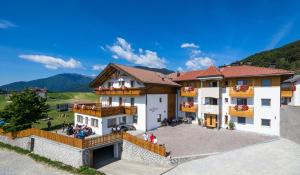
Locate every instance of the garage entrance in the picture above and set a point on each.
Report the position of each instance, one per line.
(103, 156)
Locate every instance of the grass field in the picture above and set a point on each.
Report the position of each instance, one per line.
(60, 98)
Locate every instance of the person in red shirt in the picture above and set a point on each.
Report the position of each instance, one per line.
(151, 138)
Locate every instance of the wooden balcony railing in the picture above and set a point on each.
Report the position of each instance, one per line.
(188, 107)
(98, 111)
(239, 111)
(241, 91)
(286, 93)
(120, 91)
(188, 92)
(88, 142)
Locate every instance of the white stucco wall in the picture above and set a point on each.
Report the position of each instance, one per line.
(127, 79)
(295, 101)
(154, 108)
(263, 112)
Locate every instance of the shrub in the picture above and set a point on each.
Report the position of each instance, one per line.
(231, 125)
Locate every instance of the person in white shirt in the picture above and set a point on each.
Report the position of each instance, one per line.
(155, 140)
(145, 135)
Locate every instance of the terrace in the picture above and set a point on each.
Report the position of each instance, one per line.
(96, 109)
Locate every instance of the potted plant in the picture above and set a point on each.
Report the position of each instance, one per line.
(231, 125)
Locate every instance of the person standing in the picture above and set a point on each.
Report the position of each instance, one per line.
(145, 135)
(49, 124)
(151, 138)
(63, 126)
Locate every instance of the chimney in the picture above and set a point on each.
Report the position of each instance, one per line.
(177, 73)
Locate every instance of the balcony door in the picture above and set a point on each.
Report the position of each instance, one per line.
(241, 101)
(120, 101)
(109, 101)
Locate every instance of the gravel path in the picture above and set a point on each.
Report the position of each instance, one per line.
(12, 163)
(274, 158)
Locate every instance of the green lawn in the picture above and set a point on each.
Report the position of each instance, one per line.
(60, 98)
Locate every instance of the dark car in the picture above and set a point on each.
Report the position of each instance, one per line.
(125, 127)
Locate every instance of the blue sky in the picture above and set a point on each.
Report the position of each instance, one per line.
(40, 39)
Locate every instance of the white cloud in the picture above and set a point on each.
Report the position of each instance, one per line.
(280, 35)
(180, 69)
(199, 63)
(189, 45)
(99, 67)
(4, 24)
(52, 62)
(123, 50)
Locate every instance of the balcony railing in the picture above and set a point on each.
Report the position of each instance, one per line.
(241, 91)
(120, 91)
(97, 110)
(241, 110)
(188, 92)
(287, 91)
(188, 107)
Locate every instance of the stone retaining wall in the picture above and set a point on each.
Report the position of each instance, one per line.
(133, 152)
(19, 142)
(59, 152)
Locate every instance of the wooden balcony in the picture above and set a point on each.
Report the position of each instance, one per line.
(98, 111)
(121, 91)
(236, 92)
(188, 108)
(188, 92)
(241, 113)
(286, 93)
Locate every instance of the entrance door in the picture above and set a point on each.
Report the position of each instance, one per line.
(210, 120)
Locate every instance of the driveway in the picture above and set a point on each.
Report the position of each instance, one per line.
(125, 167)
(276, 158)
(12, 163)
(290, 123)
(192, 139)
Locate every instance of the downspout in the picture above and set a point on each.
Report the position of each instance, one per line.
(220, 105)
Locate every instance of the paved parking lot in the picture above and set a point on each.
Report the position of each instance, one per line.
(192, 139)
(275, 158)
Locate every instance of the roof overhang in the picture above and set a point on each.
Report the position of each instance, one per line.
(211, 78)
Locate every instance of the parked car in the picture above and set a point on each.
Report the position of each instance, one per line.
(124, 127)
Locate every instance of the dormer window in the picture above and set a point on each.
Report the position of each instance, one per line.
(132, 83)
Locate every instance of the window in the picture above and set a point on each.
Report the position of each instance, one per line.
(211, 101)
(241, 82)
(266, 82)
(241, 120)
(135, 119)
(122, 120)
(110, 101)
(132, 101)
(226, 119)
(121, 83)
(241, 101)
(265, 122)
(86, 121)
(266, 102)
(94, 122)
(111, 122)
(160, 99)
(79, 118)
(131, 83)
(159, 118)
(109, 84)
(226, 100)
(213, 84)
(226, 83)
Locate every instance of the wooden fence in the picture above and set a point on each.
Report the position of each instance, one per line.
(88, 142)
(156, 148)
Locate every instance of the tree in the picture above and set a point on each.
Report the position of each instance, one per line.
(25, 109)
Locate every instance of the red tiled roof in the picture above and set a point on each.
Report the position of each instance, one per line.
(232, 71)
(192, 75)
(246, 71)
(144, 76)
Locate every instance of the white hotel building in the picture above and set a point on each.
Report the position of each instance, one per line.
(248, 96)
